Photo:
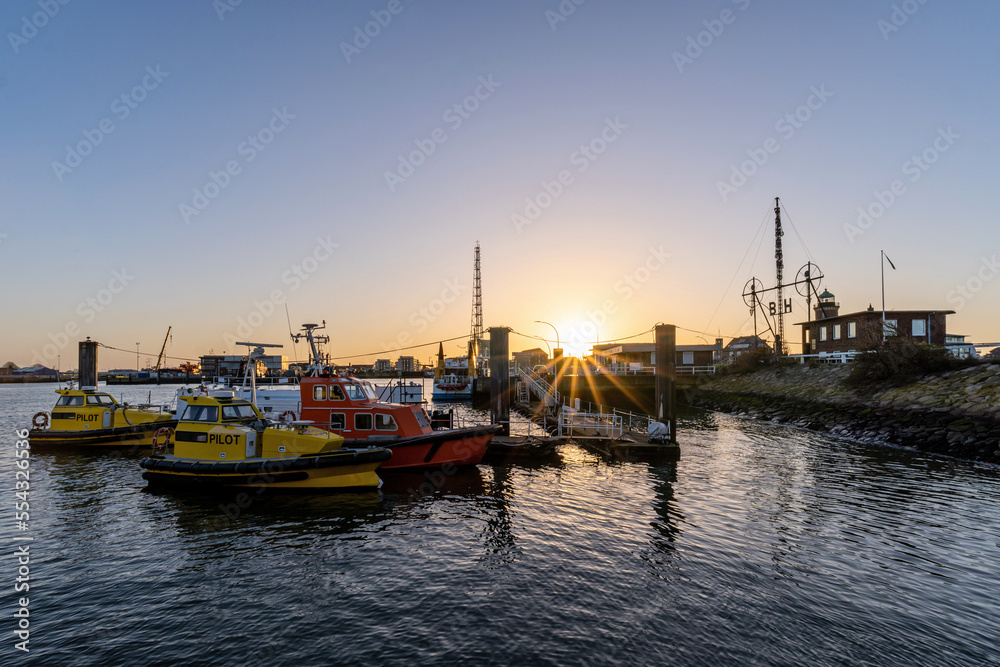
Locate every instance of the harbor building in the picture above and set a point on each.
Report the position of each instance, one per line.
(531, 358)
(406, 365)
(830, 332)
(641, 357)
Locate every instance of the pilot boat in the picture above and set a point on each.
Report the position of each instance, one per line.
(226, 442)
(94, 418)
(350, 407)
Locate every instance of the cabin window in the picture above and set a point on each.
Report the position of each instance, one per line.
(852, 329)
(238, 411)
(919, 327)
(836, 332)
(822, 333)
(100, 400)
(336, 393)
(319, 392)
(421, 418)
(71, 401)
(337, 421)
(355, 392)
(201, 413)
(362, 420)
(372, 396)
(384, 423)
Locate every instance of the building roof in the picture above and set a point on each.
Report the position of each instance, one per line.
(826, 295)
(870, 313)
(746, 343)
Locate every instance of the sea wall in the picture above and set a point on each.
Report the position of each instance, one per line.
(955, 413)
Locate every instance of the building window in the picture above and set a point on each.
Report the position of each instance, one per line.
(687, 358)
(919, 328)
(319, 392)
(889, 328)
(836, 332)
(822, 333)
(363, 421)
(852, 329)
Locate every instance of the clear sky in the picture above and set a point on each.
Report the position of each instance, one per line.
(201, 164)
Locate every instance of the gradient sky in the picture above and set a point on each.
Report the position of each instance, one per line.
(671, 98)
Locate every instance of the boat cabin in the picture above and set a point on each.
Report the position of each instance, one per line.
(220, 428)
(351, 407)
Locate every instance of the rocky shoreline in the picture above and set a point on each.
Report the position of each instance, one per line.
(955, 413)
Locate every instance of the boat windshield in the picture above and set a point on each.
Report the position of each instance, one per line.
(238, 411)
(70, 400)
(370, 392)
(354, 392)
(201, 413)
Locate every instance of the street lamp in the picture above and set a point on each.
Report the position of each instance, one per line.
(553, 328)
(137, 357)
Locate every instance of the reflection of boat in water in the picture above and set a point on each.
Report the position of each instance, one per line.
(350, 407)
(89, 417)
(223, 442)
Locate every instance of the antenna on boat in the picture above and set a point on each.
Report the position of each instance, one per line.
(288, 319)
(315, 358)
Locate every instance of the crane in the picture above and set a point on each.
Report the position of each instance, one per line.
(163, 349)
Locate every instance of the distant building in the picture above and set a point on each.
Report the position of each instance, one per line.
(742, 345)
(641, 357)
(959, 347)
(406, 365)
(218, 365)
(831, 332)
(530, 358)
(383, 366)
(35, 372)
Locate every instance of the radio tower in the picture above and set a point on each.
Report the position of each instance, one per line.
(779, 339)
(477, 309)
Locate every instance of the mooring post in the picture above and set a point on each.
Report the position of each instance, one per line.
(500, 377)
(88, 364)
(666, 350)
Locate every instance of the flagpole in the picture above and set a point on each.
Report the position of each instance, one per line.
(882, 252)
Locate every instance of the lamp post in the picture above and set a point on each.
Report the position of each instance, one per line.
(137, 357)
(553, 328)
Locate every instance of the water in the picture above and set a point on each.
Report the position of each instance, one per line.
(762, 545)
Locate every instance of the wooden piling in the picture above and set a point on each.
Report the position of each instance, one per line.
(666, 377)
(500, 377)
(88, 364)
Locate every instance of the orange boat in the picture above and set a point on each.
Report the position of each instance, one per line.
(350, 407)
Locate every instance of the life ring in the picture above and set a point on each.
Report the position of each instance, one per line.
(167, 432)
(40, 420)
(288, 416)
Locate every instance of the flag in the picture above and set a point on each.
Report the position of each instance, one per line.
(889, 260)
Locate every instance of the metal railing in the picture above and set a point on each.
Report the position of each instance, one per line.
(589, 425)
(540, 387)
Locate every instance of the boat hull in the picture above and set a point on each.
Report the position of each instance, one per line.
(137, 435)
(344, 469)
(459, 447)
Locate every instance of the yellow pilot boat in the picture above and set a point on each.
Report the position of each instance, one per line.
(94, 418)
(227, 442)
